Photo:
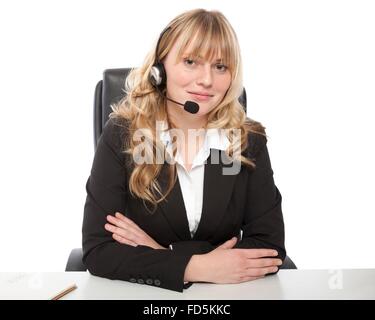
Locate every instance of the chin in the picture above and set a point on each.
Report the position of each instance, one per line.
(203, 111)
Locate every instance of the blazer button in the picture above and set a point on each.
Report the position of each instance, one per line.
(141, 281)
(133, 280)
(157, 282)
(149, 281)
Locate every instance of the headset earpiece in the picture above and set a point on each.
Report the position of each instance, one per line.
(158, 76)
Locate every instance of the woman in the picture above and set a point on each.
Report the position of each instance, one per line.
(181, 188)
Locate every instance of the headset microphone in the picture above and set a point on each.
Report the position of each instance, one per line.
(158, 78)
(189, 106)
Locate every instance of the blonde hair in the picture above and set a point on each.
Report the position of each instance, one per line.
(143, 105)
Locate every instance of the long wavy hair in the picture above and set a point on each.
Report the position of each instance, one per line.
(142, 105)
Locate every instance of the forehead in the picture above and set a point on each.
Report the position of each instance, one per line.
(195, 47)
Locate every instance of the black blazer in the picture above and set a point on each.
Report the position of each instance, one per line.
(248, 201)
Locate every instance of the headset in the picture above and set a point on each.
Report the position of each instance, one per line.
(158, 78)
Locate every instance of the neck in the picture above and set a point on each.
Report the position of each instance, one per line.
(185, 120)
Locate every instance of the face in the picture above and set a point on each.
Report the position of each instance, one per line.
(196, 79)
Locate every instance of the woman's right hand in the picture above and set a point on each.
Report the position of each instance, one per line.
(228, 265)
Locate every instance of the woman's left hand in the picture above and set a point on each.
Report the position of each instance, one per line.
(125, 231)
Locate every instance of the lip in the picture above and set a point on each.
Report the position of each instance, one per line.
(201, 96)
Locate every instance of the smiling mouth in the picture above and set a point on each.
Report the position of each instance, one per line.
(200, 94)
(200, 97)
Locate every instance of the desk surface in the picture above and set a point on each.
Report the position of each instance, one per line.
(286, 284)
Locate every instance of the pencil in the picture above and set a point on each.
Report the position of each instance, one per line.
(64, 292)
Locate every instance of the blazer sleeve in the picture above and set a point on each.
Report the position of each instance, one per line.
(263, 225)
(192, 247)
(106, 194)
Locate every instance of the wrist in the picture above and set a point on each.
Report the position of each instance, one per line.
(194, 270)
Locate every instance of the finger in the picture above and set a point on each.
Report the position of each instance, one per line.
(259, 253)
(126, 220)
(135, 234)
(263, 262)
(258, 272)
(121, 232)
(228, 244)
(139, 235)
(122, 224)
(117, 221)
(123, 240)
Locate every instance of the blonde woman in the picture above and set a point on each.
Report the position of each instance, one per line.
(181, 188)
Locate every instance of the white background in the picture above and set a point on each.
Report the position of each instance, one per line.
(309, 71)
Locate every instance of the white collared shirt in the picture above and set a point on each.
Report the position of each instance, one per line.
(192, 181)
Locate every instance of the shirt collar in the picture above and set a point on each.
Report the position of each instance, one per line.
(214, 139)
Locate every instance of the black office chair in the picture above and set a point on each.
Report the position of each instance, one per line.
(109, 91)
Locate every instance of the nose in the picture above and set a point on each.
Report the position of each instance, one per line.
(205, 76)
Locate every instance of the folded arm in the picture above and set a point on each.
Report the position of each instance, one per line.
(106, 194)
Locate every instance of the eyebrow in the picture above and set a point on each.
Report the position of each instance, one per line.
(200, 57)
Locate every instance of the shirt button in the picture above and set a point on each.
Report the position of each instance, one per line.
(133, 280)
(141, 281)
(149, 281)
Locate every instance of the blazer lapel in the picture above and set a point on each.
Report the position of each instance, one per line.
(217, 191)
(173, 208)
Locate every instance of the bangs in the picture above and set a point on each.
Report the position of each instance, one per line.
(209, 42)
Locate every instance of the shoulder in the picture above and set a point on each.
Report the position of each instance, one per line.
(115, 132)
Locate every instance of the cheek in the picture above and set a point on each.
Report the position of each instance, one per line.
(182, 80)
(222, 85)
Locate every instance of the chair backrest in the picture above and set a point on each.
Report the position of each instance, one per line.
(110, 90)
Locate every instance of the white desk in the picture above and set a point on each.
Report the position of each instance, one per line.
(287, 284)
